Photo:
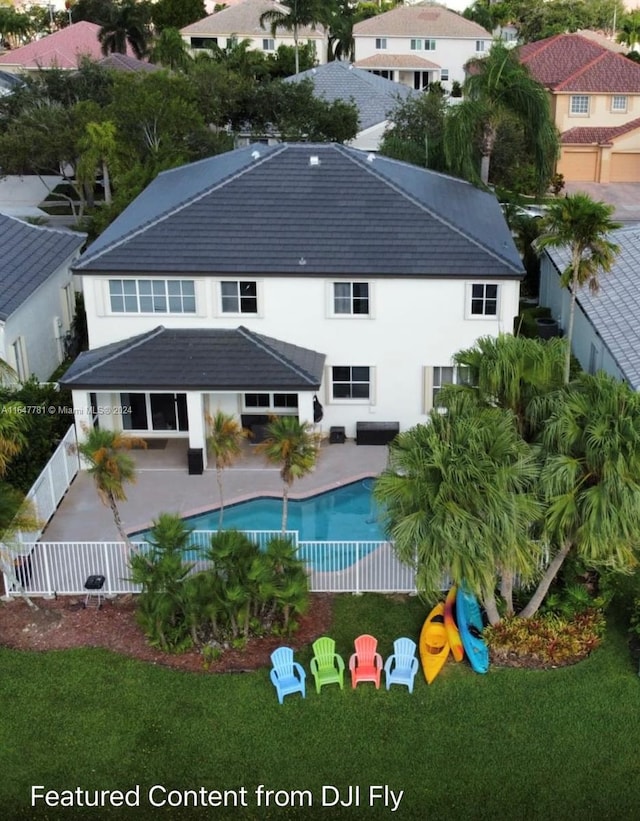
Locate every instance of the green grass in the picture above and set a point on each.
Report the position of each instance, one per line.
(511, 745)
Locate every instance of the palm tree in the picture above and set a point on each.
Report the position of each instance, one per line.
(629, 29)
(128, 22)
(111, 467)
(13, 438)
(98, 147)
(224, 442)
(17, 515)
(299, 13)
(590, 477)
(499, 85)
(458, 498)
(582, 227)
(170, 50)
(292, 445)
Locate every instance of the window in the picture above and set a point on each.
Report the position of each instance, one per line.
(484, 299)
(381, 43)
(429, 45)
(387, 73)
(619, 102)
(152, 296)
(447, 375)
(351, 298)
(480, 45)
(416, 45)
(271, 401)
(21, 366)
(204, 42)
(268, 44)
(232, 42)
(579, 104)
(239, 297)
(444, 75)
(421, 80)
(350, 382)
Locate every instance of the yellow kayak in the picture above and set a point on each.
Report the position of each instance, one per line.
(434, 644)
(453, 634)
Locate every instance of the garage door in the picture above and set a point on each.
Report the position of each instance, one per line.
(578, 166)
(625, 167)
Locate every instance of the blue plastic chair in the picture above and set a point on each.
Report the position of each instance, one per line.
(287, 675)
(401, 667)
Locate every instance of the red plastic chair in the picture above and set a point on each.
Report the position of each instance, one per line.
(365, 664)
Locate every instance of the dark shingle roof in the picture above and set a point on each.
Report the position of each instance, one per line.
(374, 97)
(30, 254)
(318, 209)
(198, 359)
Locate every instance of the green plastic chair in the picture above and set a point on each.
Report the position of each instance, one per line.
(326, 665)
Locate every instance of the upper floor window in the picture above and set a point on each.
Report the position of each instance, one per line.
(351, 297)
(480, 45)
(239, 297)
(579, 104)
(152, 296)
(350, 382)
(268, 44)
(483, 299)
(444, 75)
(381, 43)
(619, 102)
(204, 42)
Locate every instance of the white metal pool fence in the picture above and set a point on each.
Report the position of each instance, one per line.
(62, 568)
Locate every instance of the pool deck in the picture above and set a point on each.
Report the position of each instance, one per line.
(164, 485)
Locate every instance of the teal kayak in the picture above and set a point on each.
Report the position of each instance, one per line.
(470, 627)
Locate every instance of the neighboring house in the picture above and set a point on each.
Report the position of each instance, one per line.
(254, 280)
(128, 63)
(62, 49)
(8, 83)
(606, 334)
(20, 196)
(374, 97)
(418, 45)
(242, 22)
(37, 295)
(595, 99)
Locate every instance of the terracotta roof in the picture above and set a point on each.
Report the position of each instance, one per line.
(423, 20)
(61, 49)
(243, 20)
(395, 61)
(573, 63)
(583, 135)
(602, 40)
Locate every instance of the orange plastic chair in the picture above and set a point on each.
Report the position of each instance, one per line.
(365, 664)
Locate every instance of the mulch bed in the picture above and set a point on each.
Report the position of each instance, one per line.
(63, 623)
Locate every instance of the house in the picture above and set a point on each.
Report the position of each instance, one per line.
(241, 21)
(259, 279)
(595, 100)
(63, 49)
(37, 295)
(374, 97)
(606, 334)
(418, 45)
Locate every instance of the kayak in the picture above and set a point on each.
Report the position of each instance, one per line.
(453, 634)
(470, 627)
(434, 645)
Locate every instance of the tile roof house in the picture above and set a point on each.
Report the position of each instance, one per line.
(595, 99)
(254, 280)
(374, 97)
(606, 332)
(37, 296)
(62, 49)
(241, 21)
(420, 44)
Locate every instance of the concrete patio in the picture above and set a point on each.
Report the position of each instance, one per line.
(164, 485)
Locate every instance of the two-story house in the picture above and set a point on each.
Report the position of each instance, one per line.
(418, 45)
(241, 22)
(595, 99)
(257, 280)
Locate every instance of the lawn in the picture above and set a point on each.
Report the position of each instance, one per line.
(511, 745)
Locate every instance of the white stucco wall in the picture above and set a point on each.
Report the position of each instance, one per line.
(255, 43)
(413, 324)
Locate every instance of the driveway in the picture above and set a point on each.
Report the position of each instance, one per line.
(625, 196)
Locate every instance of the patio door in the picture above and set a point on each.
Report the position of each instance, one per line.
(155, 411)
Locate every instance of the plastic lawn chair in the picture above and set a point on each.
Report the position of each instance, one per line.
(401, 667)
(286, 674)
(365, 664)
(326, 665)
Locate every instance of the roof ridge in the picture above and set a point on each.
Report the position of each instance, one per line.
(261, 342)
(177, 208)
(45, 228)
(137, 341)
(369, 166)
(539, 46)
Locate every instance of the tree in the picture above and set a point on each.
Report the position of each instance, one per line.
(299, 13)
(176, 14)
(224, 442)
(417, 133)
(292, 445)
(629, 29)
(499, 85)
(98, 147)
(110, 467)
(127, 22)
(170, 50)
(13, 425)
(581, 226)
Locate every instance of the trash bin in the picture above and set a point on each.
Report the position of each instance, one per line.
(547, 327)
(195, 461)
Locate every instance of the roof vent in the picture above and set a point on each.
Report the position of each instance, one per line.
(302, 261)
(314, 160)
(371, 157)
(255, 155)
